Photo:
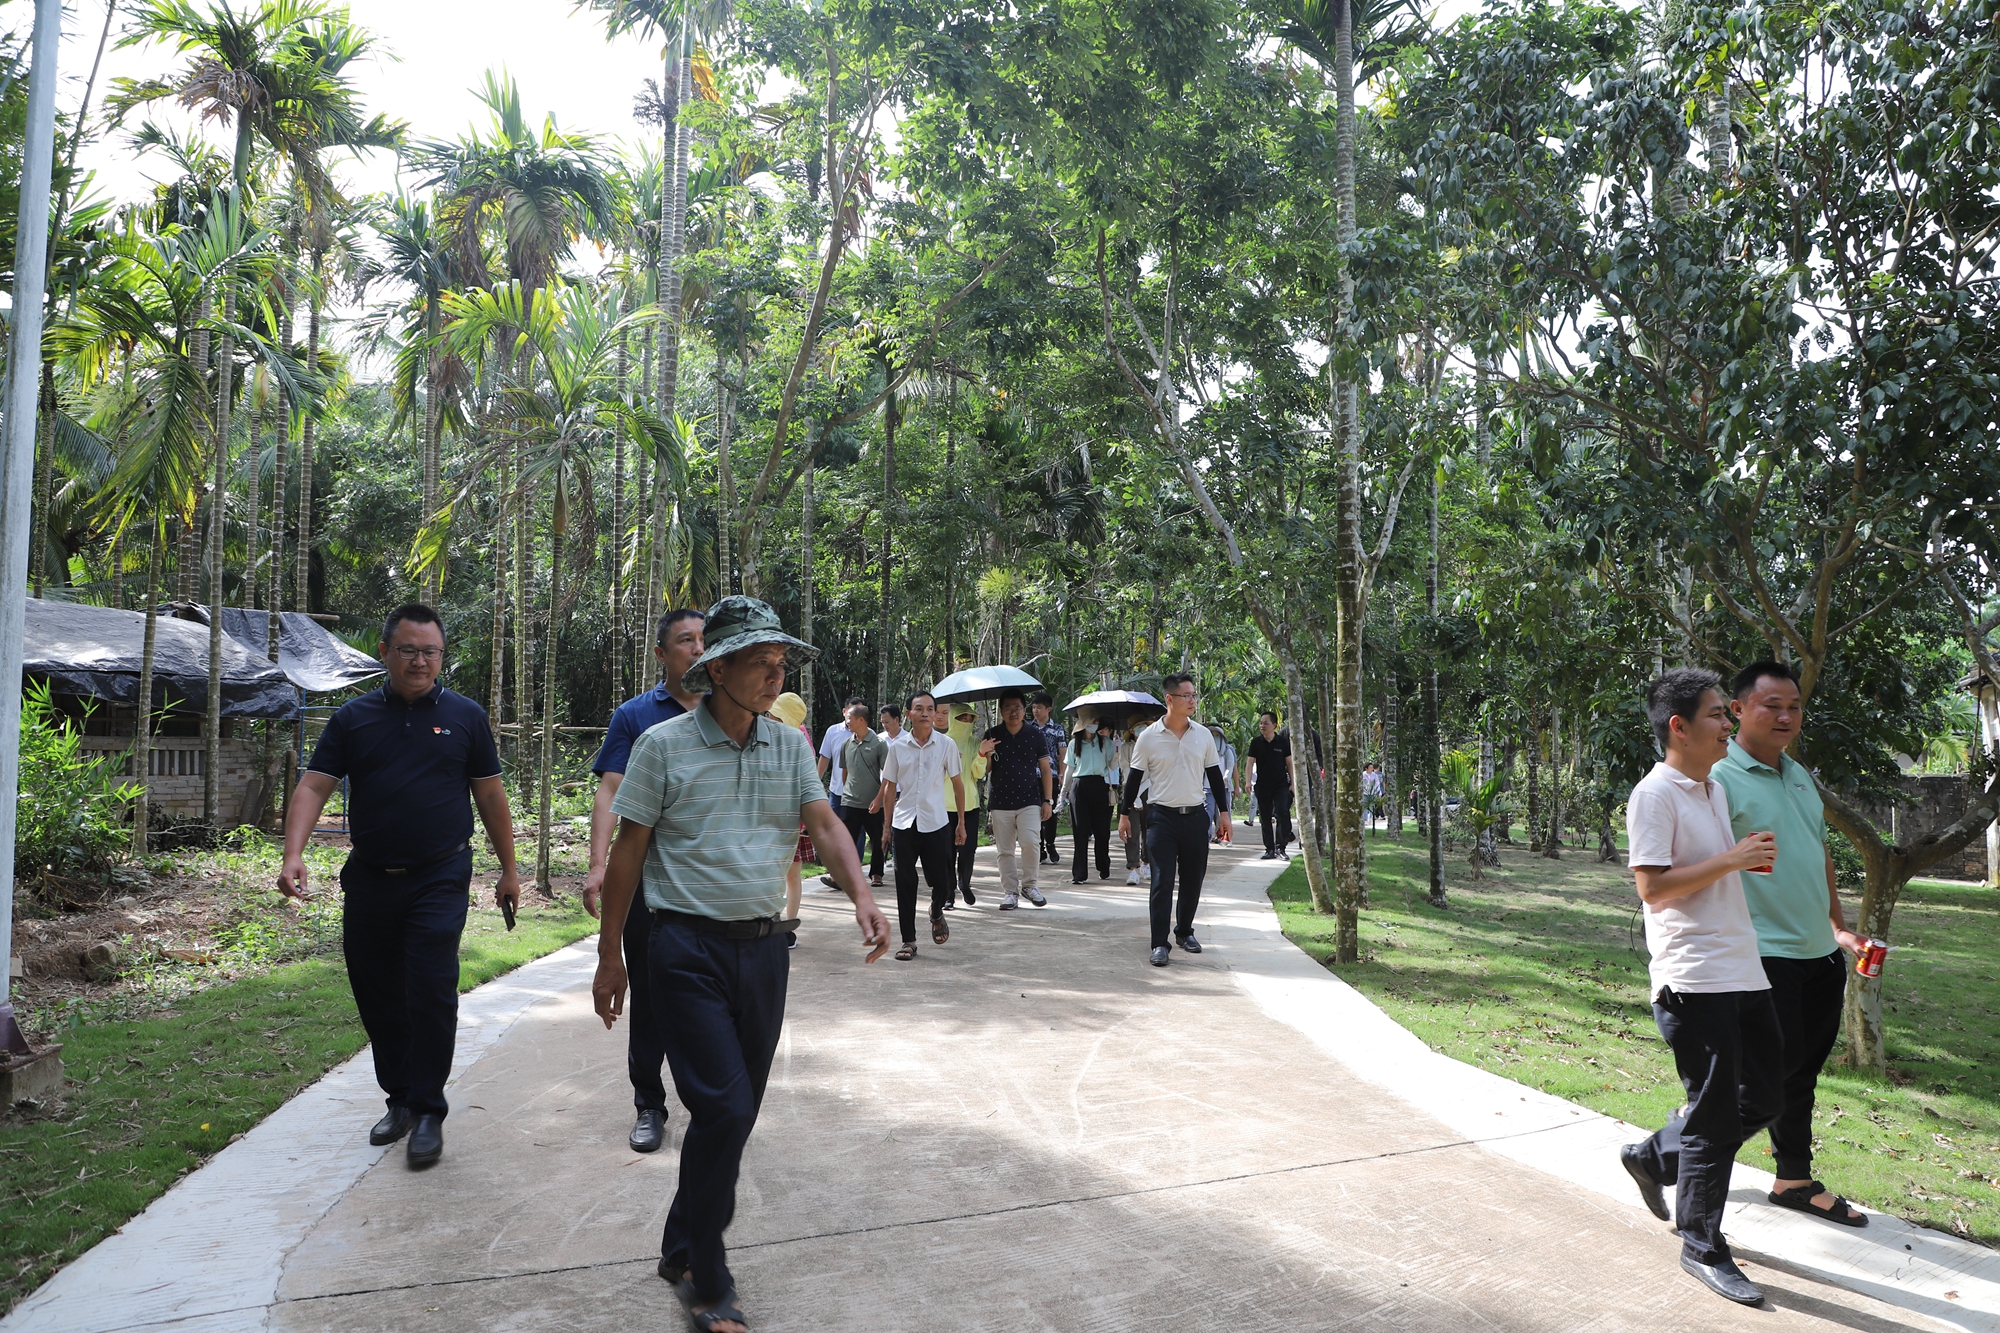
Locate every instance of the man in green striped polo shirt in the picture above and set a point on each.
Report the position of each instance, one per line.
(709, 814)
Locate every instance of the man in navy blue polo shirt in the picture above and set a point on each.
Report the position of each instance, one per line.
(675, 647)
(411, 753)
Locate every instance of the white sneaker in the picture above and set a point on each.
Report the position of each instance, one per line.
(1010, 902)
(1132, 878)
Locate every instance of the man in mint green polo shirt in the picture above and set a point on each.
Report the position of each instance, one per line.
(1801, 929)
(709, 814)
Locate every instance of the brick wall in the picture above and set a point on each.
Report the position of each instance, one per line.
(1927, 805)
(176, 773)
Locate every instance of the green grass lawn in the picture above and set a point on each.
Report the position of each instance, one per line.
(152, 1094)
(1538, 973)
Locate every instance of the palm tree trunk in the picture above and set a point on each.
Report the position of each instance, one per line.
(888, 548)
(1392, 790)
(645, 501)
(726, 479)
(806, 608)
(303, 588)
(433, 586)
(545, 764)
(142, 730)
(45, 479)
(1433, 779)
(621, 648)
(218, 519)
(253, 507)
(118, 569)
(184, 552)
(496, 681)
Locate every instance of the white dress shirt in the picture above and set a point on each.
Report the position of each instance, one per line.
(1705, 942)
(921, 774)
(1176, 766)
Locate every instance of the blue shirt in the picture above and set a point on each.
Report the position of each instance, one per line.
(633, 719)
(410, 769)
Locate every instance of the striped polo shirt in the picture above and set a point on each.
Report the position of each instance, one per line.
(725, 817)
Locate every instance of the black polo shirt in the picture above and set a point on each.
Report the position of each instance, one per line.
(410, 769)
(1014, 773)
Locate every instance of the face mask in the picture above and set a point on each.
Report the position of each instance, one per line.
(961, 729)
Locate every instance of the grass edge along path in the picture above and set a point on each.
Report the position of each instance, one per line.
(151, 1098)
(1538, 974)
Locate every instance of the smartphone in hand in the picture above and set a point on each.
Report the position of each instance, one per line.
(507, 911)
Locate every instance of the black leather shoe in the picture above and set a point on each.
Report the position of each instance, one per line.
(1725, 1280)
(391, 1126)
(426, 1140)
(966, 889)
(649, 1131)
(1189, 943)
(1649, 1188)
(1159, 957)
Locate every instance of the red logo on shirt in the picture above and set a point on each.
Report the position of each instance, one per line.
(443, 731)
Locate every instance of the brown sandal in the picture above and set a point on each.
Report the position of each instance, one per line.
(940, 932)
(906, 953)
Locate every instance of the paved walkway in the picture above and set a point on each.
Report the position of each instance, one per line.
(1026, 1129)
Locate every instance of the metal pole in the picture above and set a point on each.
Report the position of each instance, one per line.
(17, 464)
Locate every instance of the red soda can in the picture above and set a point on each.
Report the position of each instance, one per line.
(1869, 961)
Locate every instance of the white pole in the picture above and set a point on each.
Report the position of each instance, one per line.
(17, 463)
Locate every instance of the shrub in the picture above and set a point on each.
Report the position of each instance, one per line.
(73, 811)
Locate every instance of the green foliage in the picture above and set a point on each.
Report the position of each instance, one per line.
(73, 812)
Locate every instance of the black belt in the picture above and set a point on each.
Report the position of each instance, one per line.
(418, 865)
(755, 928)
(1183, 809)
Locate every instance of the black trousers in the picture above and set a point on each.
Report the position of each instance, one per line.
(644, 1053)
(400, 934)
(932, 851)
(865, 826)
(1049, 852)
(1274, 815)
(727, 1000)
(1090, 820)
(968, 853)
(1807, 994)
(1730, 1056)
(1177, 848)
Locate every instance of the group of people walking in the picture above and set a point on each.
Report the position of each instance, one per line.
(709, 795)
(710, 792)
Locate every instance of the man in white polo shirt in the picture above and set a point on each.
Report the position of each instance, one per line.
(921, 763)
(1175, 757)
(1710, 996)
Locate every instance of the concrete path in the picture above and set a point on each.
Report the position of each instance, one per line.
(1025, 1129)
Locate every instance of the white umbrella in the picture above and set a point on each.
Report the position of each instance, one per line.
(976, 683)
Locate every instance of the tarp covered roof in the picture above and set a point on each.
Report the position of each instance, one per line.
(312, 659)
(97, 651)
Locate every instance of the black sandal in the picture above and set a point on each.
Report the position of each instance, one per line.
(723, 1311)
(940, 932)
(906, 953)
(1800, 1198)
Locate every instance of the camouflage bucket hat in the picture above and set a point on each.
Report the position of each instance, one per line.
(736, 623)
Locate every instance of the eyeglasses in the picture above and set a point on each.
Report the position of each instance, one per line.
(1187, 698)
(410, 653)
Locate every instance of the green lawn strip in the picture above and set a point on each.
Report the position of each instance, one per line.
(1538, 973)
(152, 1096)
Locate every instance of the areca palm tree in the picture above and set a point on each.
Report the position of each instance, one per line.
(146, 322)
(543, 189)
(556, 426)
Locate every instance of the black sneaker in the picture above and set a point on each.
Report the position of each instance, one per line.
(966, 889)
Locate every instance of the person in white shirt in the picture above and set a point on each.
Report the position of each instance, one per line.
(922, 762)
(1710, 996)
(1175, 756)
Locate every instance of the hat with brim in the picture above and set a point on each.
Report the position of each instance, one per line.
(789, 709)
(736, 623)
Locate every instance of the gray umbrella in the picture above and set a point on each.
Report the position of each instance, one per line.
(976, 683)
